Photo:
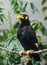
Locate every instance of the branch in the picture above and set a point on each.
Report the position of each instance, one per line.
(6, 49)
(25, 52)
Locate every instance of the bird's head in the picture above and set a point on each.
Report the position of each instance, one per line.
(23, 17)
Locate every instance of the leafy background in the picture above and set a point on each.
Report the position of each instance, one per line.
(8, 31)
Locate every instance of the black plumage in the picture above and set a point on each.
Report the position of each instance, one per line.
(27, 37)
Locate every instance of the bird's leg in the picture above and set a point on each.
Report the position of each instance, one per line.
(28, 57)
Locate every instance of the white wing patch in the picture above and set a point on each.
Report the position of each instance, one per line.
(26, 17)
(36, 44)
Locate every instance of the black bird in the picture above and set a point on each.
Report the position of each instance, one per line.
(27, 37)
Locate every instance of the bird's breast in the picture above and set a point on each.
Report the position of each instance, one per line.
(24, 34)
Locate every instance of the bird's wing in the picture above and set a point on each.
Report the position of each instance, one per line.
(33, 34)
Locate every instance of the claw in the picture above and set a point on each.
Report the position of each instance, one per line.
(29, 51)
(21, 53)
(28, 57)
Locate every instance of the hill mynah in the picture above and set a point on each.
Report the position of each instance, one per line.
(27, 37)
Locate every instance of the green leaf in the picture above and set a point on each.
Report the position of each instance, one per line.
(1, 14)
(1, 38)
(37, 25)
(16, 6)
(19, 46)
(24, 7)
(45, 56)
(5, 61)
(12, 2)
(13, 31)
(17, 11)
(44, 9)
(43, 30)
(43, 2)
(8, 41)
(2, 17)
(16, 25)
(45, 18)
(1, 9)
(41, 46)
(2, 60)
(14, 58)
(34, 9)
(39, 39)
(34, 62)
(9, 19)
(11, 46)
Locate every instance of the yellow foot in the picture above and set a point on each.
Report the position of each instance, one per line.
(28, 57)
(29, 51)
(21, 53)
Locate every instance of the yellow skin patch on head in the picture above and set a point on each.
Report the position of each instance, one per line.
(20, 17)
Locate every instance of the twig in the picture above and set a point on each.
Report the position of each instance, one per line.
(25, 52)
(6, 49)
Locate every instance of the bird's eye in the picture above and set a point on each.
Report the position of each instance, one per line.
(26, 17)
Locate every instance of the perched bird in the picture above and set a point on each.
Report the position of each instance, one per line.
(27, 37)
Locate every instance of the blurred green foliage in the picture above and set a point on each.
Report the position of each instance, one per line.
(39, 26)
(44, 8)
(1, 12)
(34, 9)
(15, 58)
(9, 38)
(19, 6)
(43, 2)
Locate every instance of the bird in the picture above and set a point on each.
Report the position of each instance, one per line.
(27, 36)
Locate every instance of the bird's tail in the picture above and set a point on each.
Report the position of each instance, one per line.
(34, 57)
